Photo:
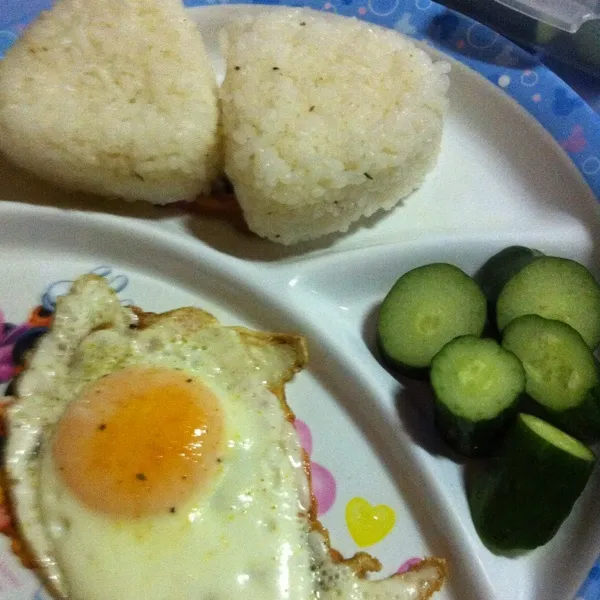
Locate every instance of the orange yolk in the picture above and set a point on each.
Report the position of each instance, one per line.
(140, 441)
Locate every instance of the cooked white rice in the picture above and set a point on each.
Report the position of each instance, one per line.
(325, 119)
(115, 97)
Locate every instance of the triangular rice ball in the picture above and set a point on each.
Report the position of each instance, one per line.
(326, 119)
(114, 97)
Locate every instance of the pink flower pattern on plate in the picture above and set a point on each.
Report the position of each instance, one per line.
(409, 564)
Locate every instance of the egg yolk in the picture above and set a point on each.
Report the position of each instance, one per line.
(139, 441)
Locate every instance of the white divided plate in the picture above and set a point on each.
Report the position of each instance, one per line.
(501, 180)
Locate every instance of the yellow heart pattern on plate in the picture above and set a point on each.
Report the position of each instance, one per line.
(368, 524)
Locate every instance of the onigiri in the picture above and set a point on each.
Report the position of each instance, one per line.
(326, 119)
(114, 97)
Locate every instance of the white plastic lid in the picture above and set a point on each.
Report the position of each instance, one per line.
(564, 14)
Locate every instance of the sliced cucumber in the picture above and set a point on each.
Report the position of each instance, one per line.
(531, 485)
(561, 372)
(426, 308)
(555, 288)
(497, 270)
(477, 387)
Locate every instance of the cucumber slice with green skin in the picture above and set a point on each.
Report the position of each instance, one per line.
(561, 372)
(555, 288)
(530, 487)
(497, 270)
(495, 274)
(426, 308)
(477, 387)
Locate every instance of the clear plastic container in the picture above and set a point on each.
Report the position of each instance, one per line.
(568, 15)
(559, 32)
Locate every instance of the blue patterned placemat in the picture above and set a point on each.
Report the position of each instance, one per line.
(590, 590)
(570, 121)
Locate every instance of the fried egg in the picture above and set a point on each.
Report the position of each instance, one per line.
(154, 456)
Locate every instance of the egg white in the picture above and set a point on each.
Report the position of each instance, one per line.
(246, 535)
